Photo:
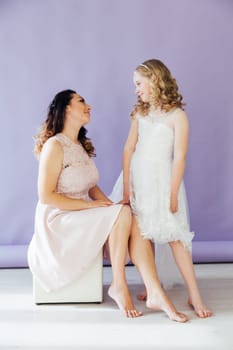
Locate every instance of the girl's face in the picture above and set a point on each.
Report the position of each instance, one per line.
(142, 87)
(79, 110)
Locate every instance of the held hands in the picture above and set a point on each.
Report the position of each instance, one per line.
(173, 203)
(125, 201)
(126, 198)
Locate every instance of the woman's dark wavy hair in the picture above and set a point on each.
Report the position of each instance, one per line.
(54, 123)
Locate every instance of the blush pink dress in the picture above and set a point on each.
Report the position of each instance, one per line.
(65, 242)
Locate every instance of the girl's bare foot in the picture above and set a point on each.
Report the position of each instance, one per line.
(161, 302)
(124, 301)
(200, 309)
(142, 296)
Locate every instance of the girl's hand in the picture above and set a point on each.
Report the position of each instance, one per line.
(125, 201)
(173, 203)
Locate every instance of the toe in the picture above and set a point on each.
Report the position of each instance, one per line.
(183, 317)
(208, 313)
(137, 313)
(128, 313)
(204, 313)
(134, 313)
(200, 313)
(179, 317)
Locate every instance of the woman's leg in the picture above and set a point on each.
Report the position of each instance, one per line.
(118, 245)
(141, 253)
(184, 262)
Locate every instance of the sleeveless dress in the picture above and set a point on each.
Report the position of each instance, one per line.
(65, 242)
(150, 188)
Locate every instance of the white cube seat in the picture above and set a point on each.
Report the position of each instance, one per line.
(88, 289)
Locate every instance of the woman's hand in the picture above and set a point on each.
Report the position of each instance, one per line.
(100, 203)
(173, 203)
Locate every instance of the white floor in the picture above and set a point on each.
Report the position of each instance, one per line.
(24, 325)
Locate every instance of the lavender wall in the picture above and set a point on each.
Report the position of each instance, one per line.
(93, 46)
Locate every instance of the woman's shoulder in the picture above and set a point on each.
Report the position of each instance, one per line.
(52, 145)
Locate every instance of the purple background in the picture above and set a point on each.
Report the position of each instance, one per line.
(93, 46)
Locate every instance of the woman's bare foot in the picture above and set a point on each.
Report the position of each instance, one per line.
(161, 302)
(124, 301)
(142, 296)
(200, 309)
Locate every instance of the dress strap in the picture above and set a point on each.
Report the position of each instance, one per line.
(64, 141)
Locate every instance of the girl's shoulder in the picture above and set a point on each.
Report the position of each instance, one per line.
(138, 116)
(179, 114)
(175, 118)
(179, 119)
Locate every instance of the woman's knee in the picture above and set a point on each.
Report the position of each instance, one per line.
(126, 214)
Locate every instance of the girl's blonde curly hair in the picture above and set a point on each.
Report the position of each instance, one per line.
(164, 88)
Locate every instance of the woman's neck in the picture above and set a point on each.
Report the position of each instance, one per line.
(72, 134)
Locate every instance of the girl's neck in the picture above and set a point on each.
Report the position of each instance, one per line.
(156, 109)
(158, 106)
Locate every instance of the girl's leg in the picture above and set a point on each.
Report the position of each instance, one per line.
(184, 262)
(141, 253)
(142, 296)
(118, 244)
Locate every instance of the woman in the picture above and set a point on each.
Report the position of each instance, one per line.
(74, 218)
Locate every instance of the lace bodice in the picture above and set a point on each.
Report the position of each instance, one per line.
(79, 173)
(155, 138)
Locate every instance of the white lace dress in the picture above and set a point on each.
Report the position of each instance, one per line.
(150, 181)
(66, 242)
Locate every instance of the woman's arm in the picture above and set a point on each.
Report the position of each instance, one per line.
(127, 154)
(95, 193)
(49, 170)
(181, 129)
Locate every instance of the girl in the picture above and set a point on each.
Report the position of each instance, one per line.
(153, 167)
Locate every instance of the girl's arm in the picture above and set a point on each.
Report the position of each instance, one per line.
(50, 167)
(127, 154)
(181, 129)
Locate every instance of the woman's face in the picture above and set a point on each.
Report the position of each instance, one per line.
(79, 110)
(142, 86)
